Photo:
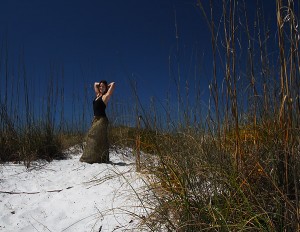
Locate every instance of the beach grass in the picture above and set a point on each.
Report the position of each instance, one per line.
(232, 167)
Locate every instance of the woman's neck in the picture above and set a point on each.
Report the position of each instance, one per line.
(98, 95)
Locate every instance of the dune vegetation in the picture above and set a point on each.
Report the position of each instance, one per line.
(231, 167)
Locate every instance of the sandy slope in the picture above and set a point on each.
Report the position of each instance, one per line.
(67, 195)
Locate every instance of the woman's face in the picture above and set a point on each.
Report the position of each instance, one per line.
(102, 88)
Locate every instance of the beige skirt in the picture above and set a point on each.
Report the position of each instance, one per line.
(96, 149)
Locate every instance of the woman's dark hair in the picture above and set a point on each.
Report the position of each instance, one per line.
(105, 83)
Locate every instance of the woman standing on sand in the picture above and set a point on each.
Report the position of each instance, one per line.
(97, 147)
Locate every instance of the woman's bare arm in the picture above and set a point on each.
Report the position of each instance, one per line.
(96, 88)
(111, 88)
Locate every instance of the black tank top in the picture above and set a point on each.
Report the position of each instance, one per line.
(99, 107)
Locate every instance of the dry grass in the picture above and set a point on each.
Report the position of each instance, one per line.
(239, 169)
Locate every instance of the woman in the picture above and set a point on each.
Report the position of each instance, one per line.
(97, 146)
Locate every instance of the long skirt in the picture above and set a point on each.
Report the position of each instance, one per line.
(96, 149)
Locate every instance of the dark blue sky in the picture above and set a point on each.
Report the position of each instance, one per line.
(108, 36)
(113, 40)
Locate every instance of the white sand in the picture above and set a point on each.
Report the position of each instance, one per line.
(67, 195)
